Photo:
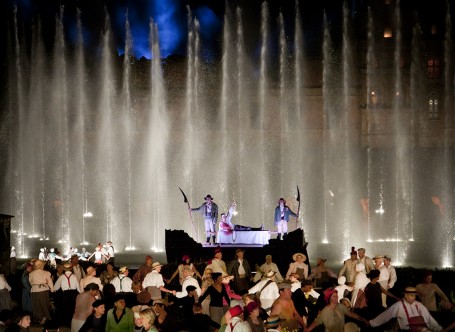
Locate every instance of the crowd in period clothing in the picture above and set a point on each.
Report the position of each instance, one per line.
(85, 293)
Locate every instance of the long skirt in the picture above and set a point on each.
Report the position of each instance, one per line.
(217, 313)
(5, 300)
(41, 304)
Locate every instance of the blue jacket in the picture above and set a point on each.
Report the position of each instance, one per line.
(203, 210)
(287, 213)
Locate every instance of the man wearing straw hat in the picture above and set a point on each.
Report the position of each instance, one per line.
(154, 282)
(409, 313)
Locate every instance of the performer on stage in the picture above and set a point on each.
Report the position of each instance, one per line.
(210, 212)
(282, 213)
(226, 227)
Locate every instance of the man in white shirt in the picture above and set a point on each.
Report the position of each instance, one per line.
(70, 287)
(406, 309)
(392, 272)
(349, 267)
(122, 282)
(268, 290)
(365, 260)
(78, 271)
(188, 280)
(154, 282)
(383, 276)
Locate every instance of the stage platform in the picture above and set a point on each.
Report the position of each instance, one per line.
(179, 243)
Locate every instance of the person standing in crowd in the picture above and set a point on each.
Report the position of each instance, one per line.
(349, 267)
(217, 292)
(201, 322)
(282, 214)
(284, 307)
(122, 282)
(217, 265)
(188, 280)
(110, 252)
(305, 300)
(78, 271)
(96, 322)
(383, 276)
(5, 297)
(209, 211)
(70, 287)
(406, 311)
(26, 288)
(267, 267)
(84, 306)
(333, 314)
(186, 263)
(236, 323)
(120, 318)
(91, 277)
(12, 261)
(165, 322)
(298, 266)
(254, 319)
(427, 291)
(392, 272)
(154, 283)
(267, 289)
(108, 275)
(144, 269)
(321, 273)
(240, 269)
(42, 284)
(148, 320)
(365, 260)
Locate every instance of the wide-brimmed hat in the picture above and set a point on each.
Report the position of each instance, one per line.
(270, 274)
(410, 291)
(294, 257)
(378, 257)
(273, 321)
(320, 260)
(160, 301)
(67, 266)
(155, 265)
(123, 269)
(208, 196)
(235, 311)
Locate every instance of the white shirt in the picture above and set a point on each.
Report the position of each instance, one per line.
(4, 283)
(238, 325)
(392, 276)
(13, 254)
(67, 281)
(397, 310)
(122, 283)
(268, 295)
(153, 278)
(90, 279)
(189, 281)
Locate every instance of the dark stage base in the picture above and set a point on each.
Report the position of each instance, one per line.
(179, 243)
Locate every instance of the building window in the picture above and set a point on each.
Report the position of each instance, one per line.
(434, 70)
(433, 109)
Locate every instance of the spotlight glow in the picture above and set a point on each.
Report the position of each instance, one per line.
(235, 213)
(369, 240)
(130, 248)
(380, 210)
(325, 241)
(87, 215)
(84, 243)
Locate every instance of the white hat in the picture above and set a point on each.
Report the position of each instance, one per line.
(13, 248)
(341, 280)
(270, 274)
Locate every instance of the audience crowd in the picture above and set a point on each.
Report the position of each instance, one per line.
(88, 292)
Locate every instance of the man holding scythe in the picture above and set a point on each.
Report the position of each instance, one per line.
(209, 211)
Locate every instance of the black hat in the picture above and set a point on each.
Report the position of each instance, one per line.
(208, 196)
(97, 303)
(216, 275)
